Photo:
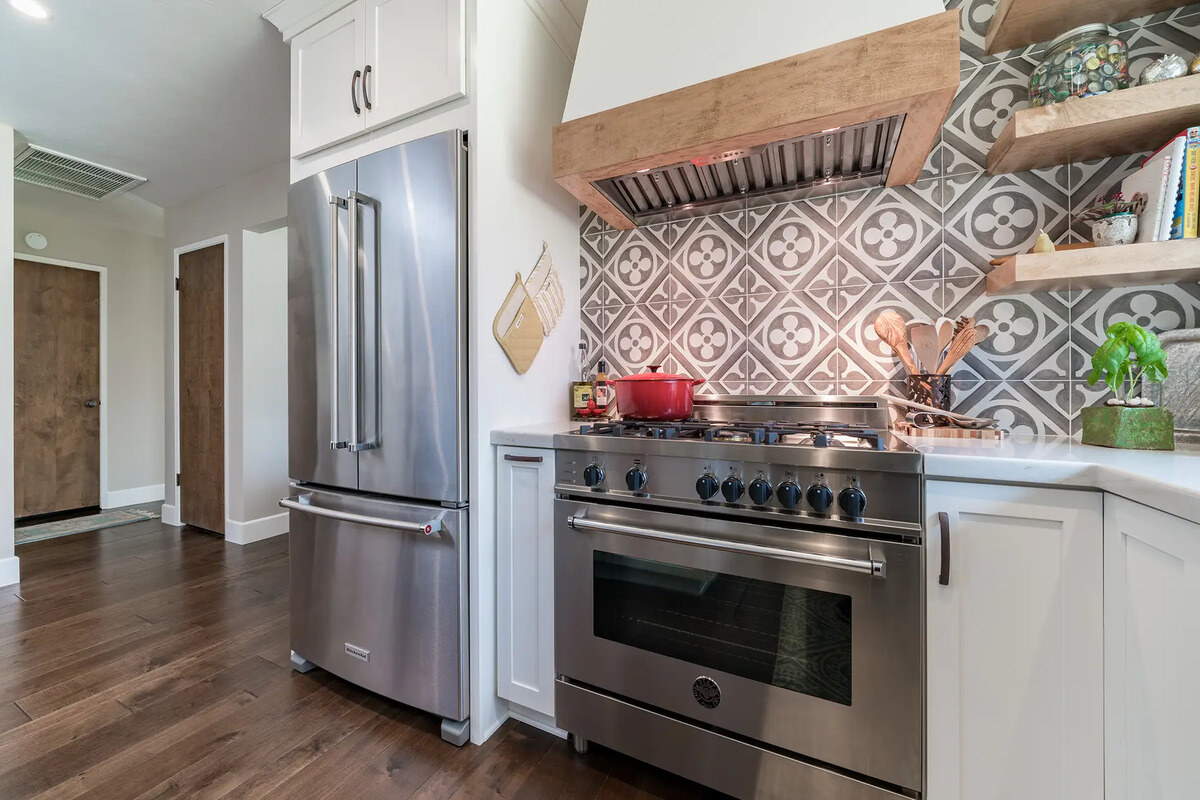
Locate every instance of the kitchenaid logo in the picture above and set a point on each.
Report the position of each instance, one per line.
(706, 691)
(358, 652)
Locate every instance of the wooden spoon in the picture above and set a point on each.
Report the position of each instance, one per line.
(924, 338)
(982, 331)
(963, 341)
(889, 326)
(945, 329)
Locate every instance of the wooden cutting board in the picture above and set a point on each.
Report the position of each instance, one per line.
(952, 432)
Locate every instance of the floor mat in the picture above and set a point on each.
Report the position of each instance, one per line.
(91, 522)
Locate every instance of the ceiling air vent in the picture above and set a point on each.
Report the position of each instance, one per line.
(53, 170)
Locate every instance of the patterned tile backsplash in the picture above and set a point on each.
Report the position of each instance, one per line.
(780, 299)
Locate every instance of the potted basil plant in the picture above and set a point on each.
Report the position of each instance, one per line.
(1129, 354)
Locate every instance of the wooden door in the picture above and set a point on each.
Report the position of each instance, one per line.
(1152, 652)
(325, 92)
(56, 321)
(416, 51)
(202, 388)
(1015, 644)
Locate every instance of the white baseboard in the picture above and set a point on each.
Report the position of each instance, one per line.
(170, 515)
(535, 718)
(256, 529)
(131, 497)
(10, 571)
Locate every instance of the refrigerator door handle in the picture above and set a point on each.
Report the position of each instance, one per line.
(355, 200)
(297, 503)
(335, 441)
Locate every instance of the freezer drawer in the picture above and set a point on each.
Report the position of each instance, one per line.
(382, 607)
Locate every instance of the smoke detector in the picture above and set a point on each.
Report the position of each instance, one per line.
(43, 167)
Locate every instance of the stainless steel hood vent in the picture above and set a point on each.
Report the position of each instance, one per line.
(857, 156)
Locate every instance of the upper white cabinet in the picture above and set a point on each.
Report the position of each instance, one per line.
(525, 577)
(1152, 653)
(371, 63)
(416, 54)
(1015, 643)
(327, 63)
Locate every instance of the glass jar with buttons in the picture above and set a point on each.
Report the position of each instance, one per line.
(1089, 60)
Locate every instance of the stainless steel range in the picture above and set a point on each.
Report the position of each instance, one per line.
(739, 597)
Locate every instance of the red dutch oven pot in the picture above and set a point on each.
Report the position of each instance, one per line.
(655, 396)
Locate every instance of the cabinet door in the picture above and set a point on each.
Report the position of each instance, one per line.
(1152, 653)
(525, 582)
(1015, 643)
(416, 52)
(324, 90)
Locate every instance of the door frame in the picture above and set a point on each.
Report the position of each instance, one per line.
(58, 262)
(222, 240)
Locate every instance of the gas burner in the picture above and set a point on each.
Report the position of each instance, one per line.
(646, 430)
(804, 434)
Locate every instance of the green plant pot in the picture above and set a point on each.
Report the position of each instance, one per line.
(1130, 428)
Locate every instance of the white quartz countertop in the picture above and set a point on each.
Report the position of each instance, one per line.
(1166, 480)
(540, 435)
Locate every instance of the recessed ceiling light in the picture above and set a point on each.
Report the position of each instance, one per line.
(31, 8)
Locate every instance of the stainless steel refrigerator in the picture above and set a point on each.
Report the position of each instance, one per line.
(377, 424)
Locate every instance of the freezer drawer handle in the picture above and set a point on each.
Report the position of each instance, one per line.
(428, 528)
(874, 568)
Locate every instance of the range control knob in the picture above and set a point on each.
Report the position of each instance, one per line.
(789, 494)
(853, 501)
(820, 497)
(760, 491)
(733, 489)
(635, 479)
(707, 487)
(593, 475)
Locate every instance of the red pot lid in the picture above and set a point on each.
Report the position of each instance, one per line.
(655, 375)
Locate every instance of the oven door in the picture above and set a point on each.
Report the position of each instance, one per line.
(807, 641)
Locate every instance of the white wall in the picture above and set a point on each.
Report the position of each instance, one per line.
(124, 235)
(253, 202)
(523, 80)
(264, 360)
(633, 49)
(9, 571)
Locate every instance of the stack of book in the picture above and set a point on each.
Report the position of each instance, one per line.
(1170, 179)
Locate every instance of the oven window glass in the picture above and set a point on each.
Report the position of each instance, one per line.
(787, 636)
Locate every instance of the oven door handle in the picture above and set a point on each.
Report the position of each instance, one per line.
(868, 566)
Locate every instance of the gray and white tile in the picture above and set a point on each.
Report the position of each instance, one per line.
(636, 337)
(865, 357)
(892, 234)
(1156, 308)
(708, 257)
(708, 338)
(792, 246)
(635, 268)
(793, 337)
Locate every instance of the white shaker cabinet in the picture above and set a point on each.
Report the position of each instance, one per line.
(1152, 653)
(371, 63)
(416, 54)
(1015, 643)
(525, 577)
(327, 63)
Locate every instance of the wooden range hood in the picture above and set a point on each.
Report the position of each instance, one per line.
(863, 112)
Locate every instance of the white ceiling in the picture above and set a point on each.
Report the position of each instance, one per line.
(189, 94)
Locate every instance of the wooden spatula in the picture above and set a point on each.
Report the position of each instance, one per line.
(924, 338)
(963, 341)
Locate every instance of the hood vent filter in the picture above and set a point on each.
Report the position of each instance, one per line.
(43, 167)
(853, 157)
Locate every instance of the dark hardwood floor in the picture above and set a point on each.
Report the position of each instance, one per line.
(147, 662)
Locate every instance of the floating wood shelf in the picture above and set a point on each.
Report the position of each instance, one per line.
(1118, 123)
(1146, 264)
(1018, 23)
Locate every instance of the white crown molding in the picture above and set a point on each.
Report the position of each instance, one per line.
(563, 28)
(293, 16)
